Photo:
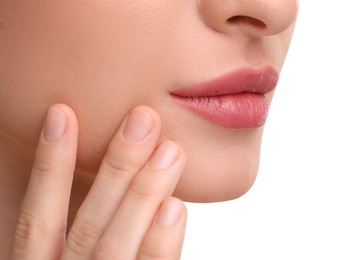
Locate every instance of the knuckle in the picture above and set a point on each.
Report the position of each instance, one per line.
(29, 231)
(42, 167)
(148, 256)
(117, 165)
(144, 195)
(82, 237)
(151, 256)
(102, 254)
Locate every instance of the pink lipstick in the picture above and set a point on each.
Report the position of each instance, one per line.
(234, 100)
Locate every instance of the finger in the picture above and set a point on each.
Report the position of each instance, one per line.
(155, 182)
(127, 153)
(165, 237)
(42, 222)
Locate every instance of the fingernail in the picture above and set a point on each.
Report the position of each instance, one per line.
(55, 125)
(138, 126)
(164, 156)
(169, 212)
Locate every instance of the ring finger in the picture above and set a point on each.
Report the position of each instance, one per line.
(155, 182)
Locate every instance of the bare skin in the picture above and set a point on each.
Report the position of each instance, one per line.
(133, 186)
(98, 60)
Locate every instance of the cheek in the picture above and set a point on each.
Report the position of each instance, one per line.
(84, 55)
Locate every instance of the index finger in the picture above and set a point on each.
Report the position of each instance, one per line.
(45, 205)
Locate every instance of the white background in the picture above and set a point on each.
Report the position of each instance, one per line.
(294, 211)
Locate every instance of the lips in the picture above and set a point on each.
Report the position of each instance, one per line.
(234, 100)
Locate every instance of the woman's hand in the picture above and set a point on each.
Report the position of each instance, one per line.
(128, 213)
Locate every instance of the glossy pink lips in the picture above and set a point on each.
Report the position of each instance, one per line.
(235, 100)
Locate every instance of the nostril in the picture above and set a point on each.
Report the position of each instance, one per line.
(240, 19)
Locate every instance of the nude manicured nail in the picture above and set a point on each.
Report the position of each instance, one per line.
(169, 212)
(164, 156)
(55, 125)
(138, 126)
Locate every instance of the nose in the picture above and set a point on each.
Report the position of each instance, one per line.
(252, 17)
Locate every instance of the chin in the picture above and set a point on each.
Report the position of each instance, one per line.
(216, 186)
(222, 173)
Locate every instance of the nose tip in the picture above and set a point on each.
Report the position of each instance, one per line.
(254, 17)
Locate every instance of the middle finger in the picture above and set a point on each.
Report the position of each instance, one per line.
(129, 150)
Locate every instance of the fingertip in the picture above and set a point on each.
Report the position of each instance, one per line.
(59, 134)
(164, 240)
(156, 117)
(60, 120)
(149, 110)
(170, 212)
(183, 153)
(54, 126)
(67, 110)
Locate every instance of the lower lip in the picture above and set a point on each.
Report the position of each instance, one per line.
(243, 110)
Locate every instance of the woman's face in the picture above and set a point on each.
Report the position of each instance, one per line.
(104, 57)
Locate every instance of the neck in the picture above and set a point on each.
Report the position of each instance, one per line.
(16, 161)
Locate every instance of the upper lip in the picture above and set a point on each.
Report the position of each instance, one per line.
(260, 81)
